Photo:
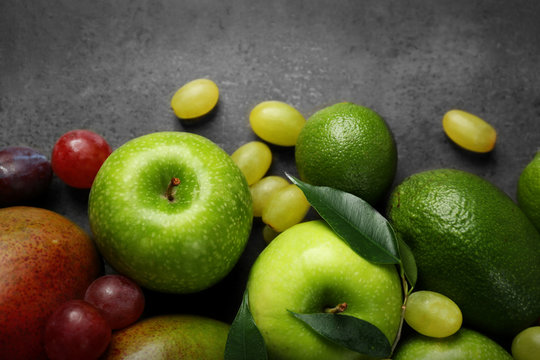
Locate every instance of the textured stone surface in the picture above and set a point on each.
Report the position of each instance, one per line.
(113, 66)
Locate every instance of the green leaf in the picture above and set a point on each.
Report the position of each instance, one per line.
(245, 340)
(366, 231)
(408, 263)
(353, 333)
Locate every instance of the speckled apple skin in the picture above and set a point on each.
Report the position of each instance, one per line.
(45, 259)
(170, 337)
(306, 269)
(182, 246)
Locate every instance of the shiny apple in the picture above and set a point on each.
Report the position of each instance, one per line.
(171, 211)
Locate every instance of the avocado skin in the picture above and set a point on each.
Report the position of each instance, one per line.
(472, 243)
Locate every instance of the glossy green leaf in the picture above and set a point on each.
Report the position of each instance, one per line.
(350, 332)
(366, 231)
(407, 262)
(245, 341)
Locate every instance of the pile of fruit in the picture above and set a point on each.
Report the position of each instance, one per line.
(449, 271)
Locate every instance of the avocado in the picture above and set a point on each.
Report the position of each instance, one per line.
(472, 243)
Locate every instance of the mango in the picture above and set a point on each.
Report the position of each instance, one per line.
(170, 337)
(45, 260)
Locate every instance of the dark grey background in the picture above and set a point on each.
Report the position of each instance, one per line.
(112, 66)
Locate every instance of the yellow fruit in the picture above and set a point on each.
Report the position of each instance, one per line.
(432, 314)
(269, 234)
(262, 191)
(469, 131)
(276, 122)
(195, 99)
(254, 159)
(287, 207)
(347, 147)
(528, 190)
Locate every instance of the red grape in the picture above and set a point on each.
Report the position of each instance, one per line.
(77, 157)
(119, 298)
(25, 174)
(76, 330)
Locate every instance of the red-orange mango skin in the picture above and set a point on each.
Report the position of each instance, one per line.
(45, 259)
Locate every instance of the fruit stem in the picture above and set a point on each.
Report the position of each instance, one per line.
(339, 308)
(403, 308)
(170, 189)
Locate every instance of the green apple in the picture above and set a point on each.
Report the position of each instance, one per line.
(170, 237)
(465, 344)
(307, 269)
(170, 337)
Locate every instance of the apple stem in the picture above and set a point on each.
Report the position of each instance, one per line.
(170, 189)
(339, 308)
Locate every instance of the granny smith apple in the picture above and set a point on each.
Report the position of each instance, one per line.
(307, 269)
(171, 210)
(465, 344)
(170, 337)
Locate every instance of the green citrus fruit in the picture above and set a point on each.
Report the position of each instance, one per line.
(528, 190)
(348, 147)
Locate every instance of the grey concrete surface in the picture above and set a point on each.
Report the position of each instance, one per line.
(112, 66)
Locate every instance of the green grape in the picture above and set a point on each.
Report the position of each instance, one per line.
(254, 159)
(469, 131)
(285, 208)
(195, 99)
(269, 234)
(263, 189)
(432, 314)
(526, 344)
(276, 122)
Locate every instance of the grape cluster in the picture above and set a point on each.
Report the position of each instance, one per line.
(279, 203)
(25, 173)
(82, 328)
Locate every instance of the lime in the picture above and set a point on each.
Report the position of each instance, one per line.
(348, 147)
(528, 190)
